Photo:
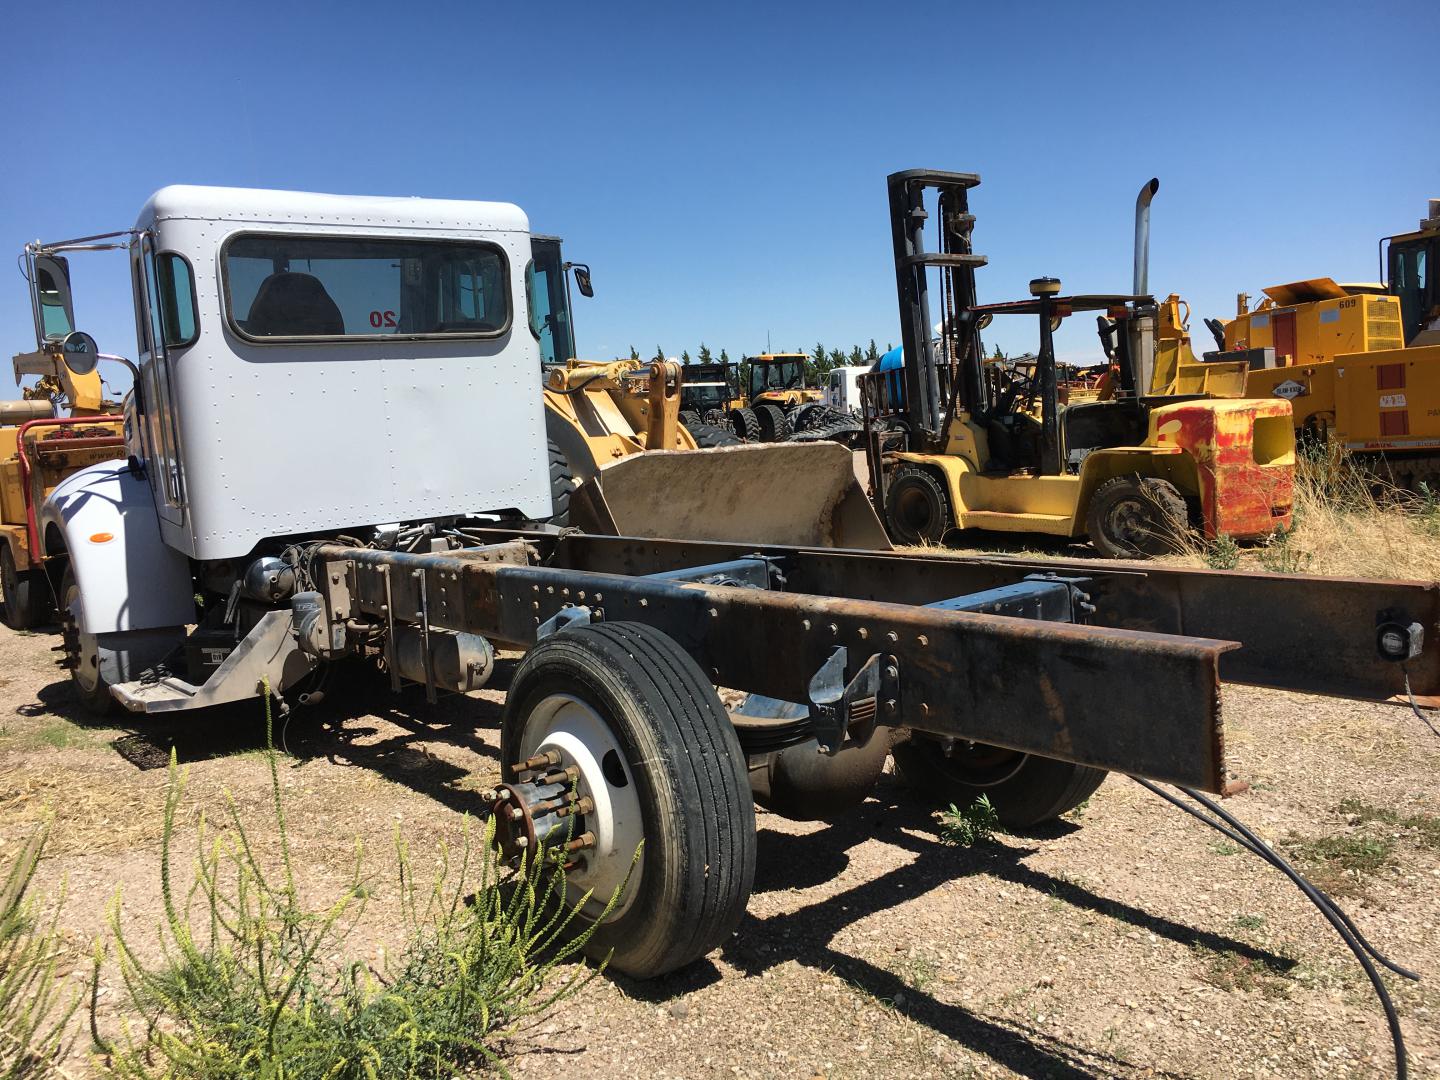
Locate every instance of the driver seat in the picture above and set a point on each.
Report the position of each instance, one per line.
(290, 304)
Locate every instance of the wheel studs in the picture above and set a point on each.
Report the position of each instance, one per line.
(539, 761)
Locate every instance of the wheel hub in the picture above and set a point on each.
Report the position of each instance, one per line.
(573, 799)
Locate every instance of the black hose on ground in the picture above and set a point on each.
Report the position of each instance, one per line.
(1229, 826)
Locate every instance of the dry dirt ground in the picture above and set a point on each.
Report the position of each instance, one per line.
(1127, 941)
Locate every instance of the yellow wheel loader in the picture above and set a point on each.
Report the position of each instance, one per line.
(1132, 473)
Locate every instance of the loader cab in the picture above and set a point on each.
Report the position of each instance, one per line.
(547, 291)
(1413, 262)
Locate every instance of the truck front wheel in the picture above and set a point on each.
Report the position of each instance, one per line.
(82, 651)
(639, 740)
(1026, 790)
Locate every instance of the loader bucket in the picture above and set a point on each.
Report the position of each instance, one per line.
(795, 494)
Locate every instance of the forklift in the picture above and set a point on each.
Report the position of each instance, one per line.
(949, 449)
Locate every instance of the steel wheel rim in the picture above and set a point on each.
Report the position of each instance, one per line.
(582, 738)
(982, 765)
(1129, 522)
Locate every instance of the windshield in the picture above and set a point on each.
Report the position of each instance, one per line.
(1410, 281)
(287, 287)
(706, 395)
(783, 374)
(549, 302)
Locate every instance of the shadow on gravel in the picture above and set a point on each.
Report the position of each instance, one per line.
(327, 729)
(807, 936)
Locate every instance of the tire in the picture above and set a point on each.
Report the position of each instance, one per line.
(707, 436)
(82, 654)
(843, 429)
(1136, 517)
(1026, 790)
(917, 507)
(745, 424)
(689, 417)
(562, 483)
(632, 685)
(24, 594)
(774, 424)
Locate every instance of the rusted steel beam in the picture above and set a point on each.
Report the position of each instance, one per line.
(1295, 633)
(1114, 699)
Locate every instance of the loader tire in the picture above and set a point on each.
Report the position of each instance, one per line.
(1026, 790)
(1137, 517)
(707, 436)
(745, 424)
(562, 483)
(917, 507)
(24, 594)
(774, 424)
(656, 753)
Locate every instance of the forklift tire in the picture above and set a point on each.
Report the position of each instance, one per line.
(745, 424)
(707, 436)
(917, 507)
(82, 653)
(1026, 790)
(24, 595)
(562, 483)
(774, 424)
(1136, 517)
(659, 759)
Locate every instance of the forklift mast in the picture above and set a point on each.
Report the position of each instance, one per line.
(930, 402)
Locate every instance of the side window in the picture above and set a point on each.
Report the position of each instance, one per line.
(176, 300)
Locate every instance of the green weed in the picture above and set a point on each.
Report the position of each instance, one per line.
(976, 824)
(255, 982)
(35, 1008)
(1222, 553)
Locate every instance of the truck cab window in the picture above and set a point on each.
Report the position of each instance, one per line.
(176, 287)
(280, 287)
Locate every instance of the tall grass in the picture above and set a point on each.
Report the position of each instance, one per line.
(253, 982)
(35, 1007)
(1348, 522)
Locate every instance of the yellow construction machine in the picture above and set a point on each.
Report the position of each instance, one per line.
(1131, 472)
(39, 447)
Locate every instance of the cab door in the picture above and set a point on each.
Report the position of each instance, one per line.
(159, 421)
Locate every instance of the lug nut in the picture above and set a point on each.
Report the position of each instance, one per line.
(584, 840)
(516, 814)
(539, 761)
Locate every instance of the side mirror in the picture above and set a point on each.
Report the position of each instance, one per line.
(80, 353)
(54, 309)
(582, 279)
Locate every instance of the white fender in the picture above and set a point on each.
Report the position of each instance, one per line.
(128, 576)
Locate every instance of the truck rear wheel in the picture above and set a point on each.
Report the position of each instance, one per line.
(659, 760)
(1136, 517)
(24, 599)
(82, 651)
(917, 507)
(1026, 790)
(774, 424)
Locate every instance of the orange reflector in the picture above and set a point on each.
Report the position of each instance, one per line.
(101, 538)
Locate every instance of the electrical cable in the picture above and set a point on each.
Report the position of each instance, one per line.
(1342, 924)
(577, 387)
(1415, 706)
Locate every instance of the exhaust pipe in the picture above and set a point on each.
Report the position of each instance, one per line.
(1142, 237)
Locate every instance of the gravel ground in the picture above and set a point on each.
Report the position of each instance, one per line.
(1126, 941)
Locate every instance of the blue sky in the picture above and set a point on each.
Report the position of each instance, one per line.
(722, 167)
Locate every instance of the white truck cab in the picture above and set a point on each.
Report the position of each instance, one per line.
(307, 365)
(842, 389)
